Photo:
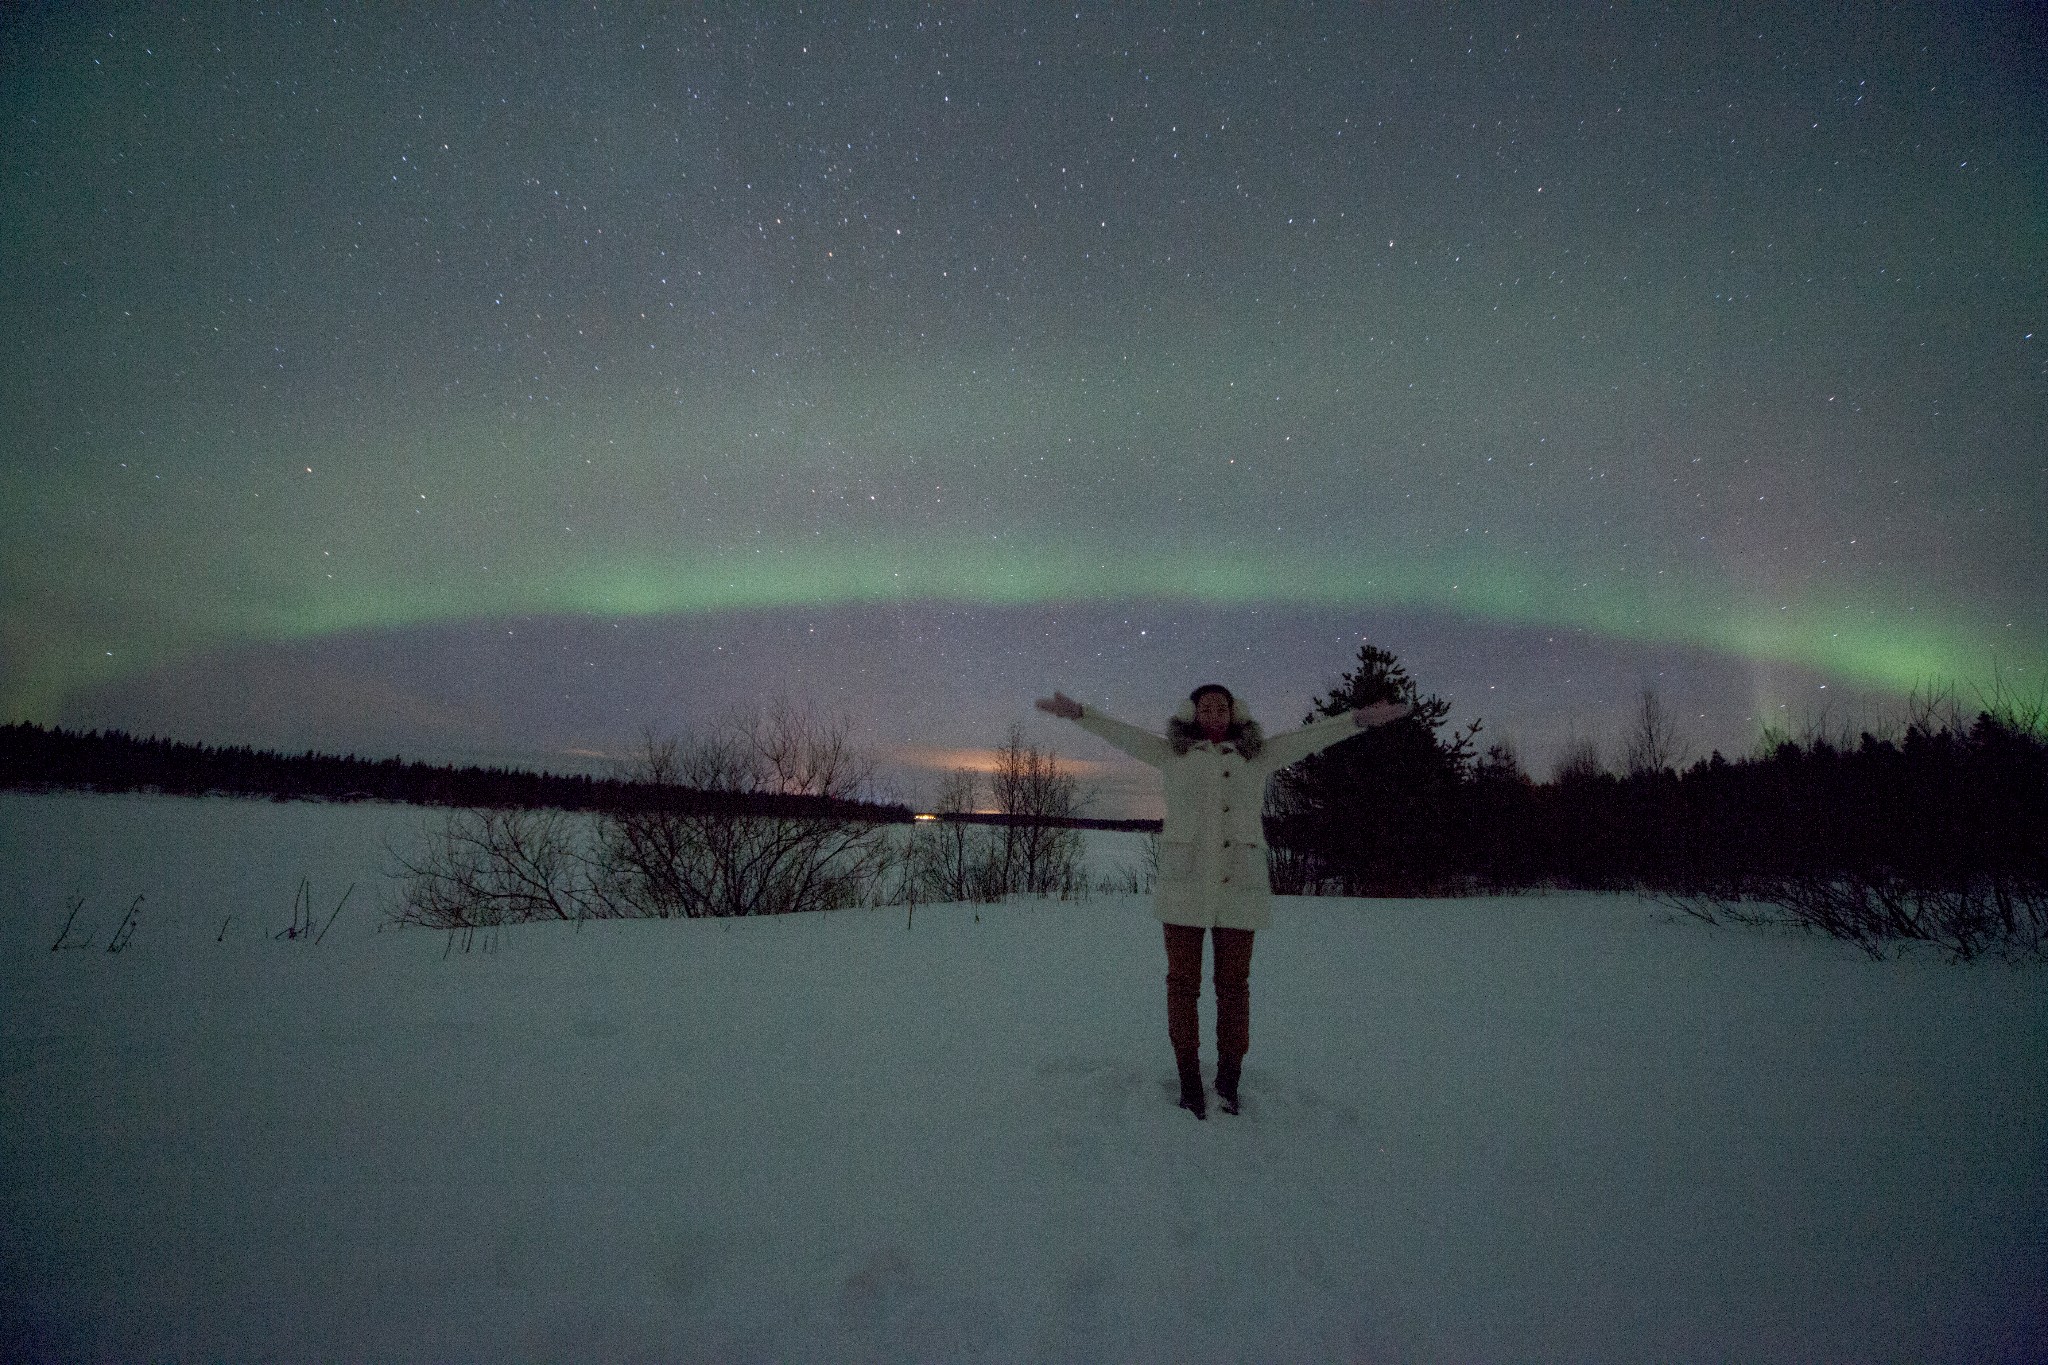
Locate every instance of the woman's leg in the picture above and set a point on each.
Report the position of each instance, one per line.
(1233, 1008)
(1183, 1027)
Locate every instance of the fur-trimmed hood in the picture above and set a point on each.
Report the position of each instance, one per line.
(1245, 735)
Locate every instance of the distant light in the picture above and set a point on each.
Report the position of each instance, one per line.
(924, 817)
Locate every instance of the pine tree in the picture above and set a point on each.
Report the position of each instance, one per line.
(1376, 814)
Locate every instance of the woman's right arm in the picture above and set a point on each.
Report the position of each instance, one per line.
(1142, 745)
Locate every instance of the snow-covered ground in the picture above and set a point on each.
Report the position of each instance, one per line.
(1537, 1128)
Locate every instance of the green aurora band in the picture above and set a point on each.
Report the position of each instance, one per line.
(1686, 329)
(1076, 477)
(1836, 638)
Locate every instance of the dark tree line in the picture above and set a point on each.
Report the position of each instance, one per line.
(1940, 805)
(33, 758)
(1939, 834)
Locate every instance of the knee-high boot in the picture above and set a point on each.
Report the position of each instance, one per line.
(1183, 1026)
(1233, 1010)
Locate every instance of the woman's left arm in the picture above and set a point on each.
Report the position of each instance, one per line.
(1318, 735)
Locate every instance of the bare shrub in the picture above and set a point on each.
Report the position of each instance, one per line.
(1972, 917)
(721, 853)
(1134, 881)
(953, 859)
(1933, 709)
(1290, 871)
(483, 868)
(1032, 854)
(1578, 761)
(2016, 711)
(1652, 744)
(1023, 847)
(759, 815)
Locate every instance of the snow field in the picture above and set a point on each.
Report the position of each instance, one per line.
(1529, 1128)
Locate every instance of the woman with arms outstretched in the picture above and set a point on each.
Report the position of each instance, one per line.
(1212, 856)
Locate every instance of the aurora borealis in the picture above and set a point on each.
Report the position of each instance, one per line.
(924, 358)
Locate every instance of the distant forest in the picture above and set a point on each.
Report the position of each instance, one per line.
(1936, 831)
(36, 759)
(33, 758)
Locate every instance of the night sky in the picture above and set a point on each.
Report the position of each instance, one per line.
(491, 384)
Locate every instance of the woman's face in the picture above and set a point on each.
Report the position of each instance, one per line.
(1212, 713)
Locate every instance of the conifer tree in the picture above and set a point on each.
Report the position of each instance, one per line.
(1375, 814)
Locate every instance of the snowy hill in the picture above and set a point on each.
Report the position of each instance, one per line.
(1532, 1128)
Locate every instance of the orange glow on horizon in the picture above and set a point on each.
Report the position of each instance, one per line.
(935, 759)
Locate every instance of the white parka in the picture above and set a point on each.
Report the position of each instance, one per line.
(1212, 848)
